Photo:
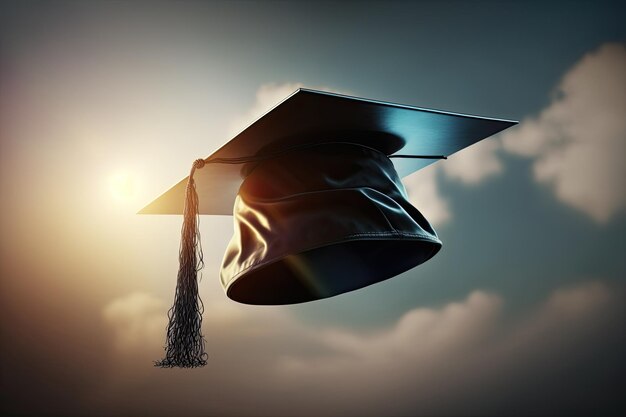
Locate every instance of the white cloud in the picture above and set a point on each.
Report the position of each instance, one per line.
(447, 360)
(474, 164)
(578, 143)
(569, 310)
(575, 301)
(424, 195)
(269, 95)
(138, 320)
(422, 339)
(460, 358)
(579, 140)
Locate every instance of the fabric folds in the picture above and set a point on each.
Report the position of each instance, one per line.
(320, 221)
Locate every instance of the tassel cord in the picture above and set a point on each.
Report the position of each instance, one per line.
(185, 342)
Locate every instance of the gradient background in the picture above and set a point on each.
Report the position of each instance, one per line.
(103, 106)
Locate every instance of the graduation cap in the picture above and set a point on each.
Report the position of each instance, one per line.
(318, 206)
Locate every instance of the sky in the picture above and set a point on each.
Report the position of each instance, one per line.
(105, 105)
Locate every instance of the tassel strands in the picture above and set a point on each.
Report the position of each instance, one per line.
(185, 342)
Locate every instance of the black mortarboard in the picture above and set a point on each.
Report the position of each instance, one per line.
(319, 208)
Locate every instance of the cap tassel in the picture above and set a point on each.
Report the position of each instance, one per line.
(185, 342)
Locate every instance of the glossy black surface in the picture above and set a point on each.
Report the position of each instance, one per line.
(303, 233)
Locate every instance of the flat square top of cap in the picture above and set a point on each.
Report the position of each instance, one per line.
(309, 116)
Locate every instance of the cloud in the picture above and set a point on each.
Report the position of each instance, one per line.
(459, 359)
(578, 142)
(138, 320)
(473, 165)
(462, 358)
(568, 311)
(422, 338)
(402, 370)
(424, 194)
(269, 95)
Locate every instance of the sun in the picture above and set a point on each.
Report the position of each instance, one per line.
(122, 186)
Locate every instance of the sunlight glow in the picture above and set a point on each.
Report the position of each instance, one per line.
(122, 186)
